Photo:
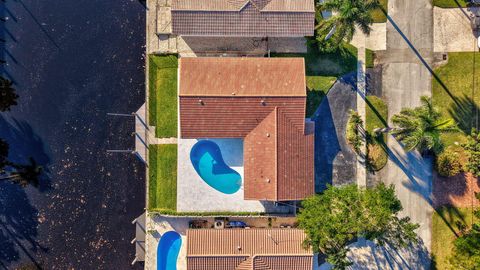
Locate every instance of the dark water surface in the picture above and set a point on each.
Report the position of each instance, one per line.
(73, 61)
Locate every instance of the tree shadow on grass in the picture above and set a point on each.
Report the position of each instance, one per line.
(466, 113)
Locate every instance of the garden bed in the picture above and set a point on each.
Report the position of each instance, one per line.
(376, 117)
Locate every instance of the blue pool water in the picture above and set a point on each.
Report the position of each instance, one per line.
(207, 160)
(167, 251)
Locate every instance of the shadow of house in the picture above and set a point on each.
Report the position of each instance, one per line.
(466, 113)
(335, 161)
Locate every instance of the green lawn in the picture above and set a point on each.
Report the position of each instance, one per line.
(450, 3)
(322, 69)
(378, 15)
(445, 222)
(163, 94)
(317, 88)
(369, 58)
(452, 94)
(162, 187)
(376, 117)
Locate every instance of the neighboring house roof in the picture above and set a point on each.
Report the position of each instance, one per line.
(247, 249)
(247, 18)
(268, 112)
(243, 76)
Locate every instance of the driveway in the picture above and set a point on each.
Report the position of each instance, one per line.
(335, 161)
(406, 77)
(453, 31)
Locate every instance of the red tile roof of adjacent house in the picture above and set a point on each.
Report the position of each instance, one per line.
(258, 77)
(245, 18)
(278, 146)
(247, 249)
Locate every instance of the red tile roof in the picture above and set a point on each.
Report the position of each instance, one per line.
(247, 249)
(278, 160)
(278, 148)
(246, 18)
(227, 77)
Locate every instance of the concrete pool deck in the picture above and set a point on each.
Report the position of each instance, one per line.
(194, 195)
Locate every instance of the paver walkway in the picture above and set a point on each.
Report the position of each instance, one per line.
(406, 77)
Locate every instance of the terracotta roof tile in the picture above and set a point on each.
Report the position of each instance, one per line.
(278, 147)
(279, 167)
(260, 160)
(244, 76)
(279, 249)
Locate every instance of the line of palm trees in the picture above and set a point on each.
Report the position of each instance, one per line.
(22, 174)
(418, 128)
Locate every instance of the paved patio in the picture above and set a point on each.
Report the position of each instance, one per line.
(452, 30)
(376, 41)
(194, 195)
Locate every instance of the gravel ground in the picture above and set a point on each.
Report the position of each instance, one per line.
(72, 62)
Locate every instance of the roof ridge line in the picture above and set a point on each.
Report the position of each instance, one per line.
(276, 152)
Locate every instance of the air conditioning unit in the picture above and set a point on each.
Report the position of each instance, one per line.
(219, 224)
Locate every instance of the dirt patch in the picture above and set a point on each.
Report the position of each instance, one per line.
(457, 190)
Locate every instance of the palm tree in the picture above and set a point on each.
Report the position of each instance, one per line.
(346, 15)
(8, 97)
(420, 128)
(24, 174)
(3, 154)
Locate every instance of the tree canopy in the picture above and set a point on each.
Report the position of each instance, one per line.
(420, 128)
(340, 27)
(8, 96)
(466, 251)
(472, 148)
(21, 174)
(338, 216)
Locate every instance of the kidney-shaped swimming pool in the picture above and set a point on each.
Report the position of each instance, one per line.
(167, 251)
(208, 162)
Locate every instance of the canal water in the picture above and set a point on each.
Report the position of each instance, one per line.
(72, 61)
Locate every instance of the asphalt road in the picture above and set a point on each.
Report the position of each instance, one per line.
(406, 77)
(73, 62)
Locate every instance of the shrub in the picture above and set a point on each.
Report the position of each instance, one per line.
(377, 158)
(448, 164)
(472, 148)
(354, 124)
